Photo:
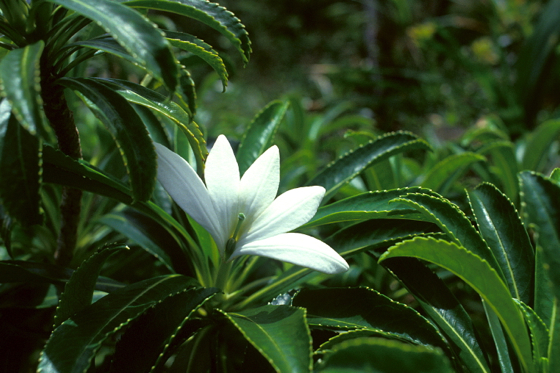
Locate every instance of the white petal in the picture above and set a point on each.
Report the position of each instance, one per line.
(298, 249)
(222, 182)
(185, 187)
(287, 212)
(259, 184)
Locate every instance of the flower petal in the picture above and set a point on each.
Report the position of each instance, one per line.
(185, 187)
(222, 182)
(259, 184)
(290, 210)
(298, 249)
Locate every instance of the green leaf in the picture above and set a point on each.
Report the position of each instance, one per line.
(370, 205)
(260, 133)
(211, 14)
(480, 276)
(78, 292)
(345, 168)
(200, 49)
(502, 156)
(453, 222)
(539, 196)
(266, 328)
(446, 172)
(500, 226)
(74, 343)
(539, 332)
(20, 167)
(439, 303)
(500, 340)
(377, 355)
(146, 97)
(538, 146)
(128, 130)
(140, 37)
(363, 308)
(151, 237)
(19, 81)
(147, 341)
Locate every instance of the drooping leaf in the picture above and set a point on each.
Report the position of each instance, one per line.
(78, 292)
(444, 309)
(74, 343)
(345, 168)
(363, 308)
(377, 355)
(211, 14)
(370, 205)
(20, 167)
(480, 276)
(140, 37)
(266, 329)
(128, 130)
(19, 79)
(260, 133)
(147, 341)
(501, 228)
(200, 49)
(441, 176)
(453, 222)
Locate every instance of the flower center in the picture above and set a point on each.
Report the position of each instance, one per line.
(230, 245)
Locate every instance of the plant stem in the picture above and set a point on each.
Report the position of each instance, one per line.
(62, 122)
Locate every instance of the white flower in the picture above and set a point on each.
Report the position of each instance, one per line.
(242, 214)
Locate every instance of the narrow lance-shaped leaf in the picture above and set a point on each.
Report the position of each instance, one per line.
(443, 174)
(140, 37)
(20, 167)
(481, 277)
(211, 14)
(442, 307)
(93, 325)
(538, 146)
(266, 329)
(260, 133)
(78, 292)
(501, 228)
(128, 130)
(19, 79)
(345, 168)
(500, 340)
(453, 222)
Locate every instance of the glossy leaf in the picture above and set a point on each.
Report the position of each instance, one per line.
(500, 226)
(505, 359)
(211, 14)
(363, 308)
(502, 155)
(377, 355)
(143, 96)
(370, 205)
(200, 49)
(128, 130)
(453, 222)
(259, 135)
(140, 37)
(78, 292)
(74, 343)
(439, 303)
(447, 171)
(266, 329)
(480, 276)
(345, 168)
(20, 167)
(146, 342)
(19, 79)
(539, 332)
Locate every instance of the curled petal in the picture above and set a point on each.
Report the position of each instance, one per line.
(289, 211)
(259, 183)
(185, 187)
(222, 182)
(298, 249)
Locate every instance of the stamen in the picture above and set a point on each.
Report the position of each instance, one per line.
(230, 244)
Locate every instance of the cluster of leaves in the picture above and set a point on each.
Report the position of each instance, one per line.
(389, 205)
